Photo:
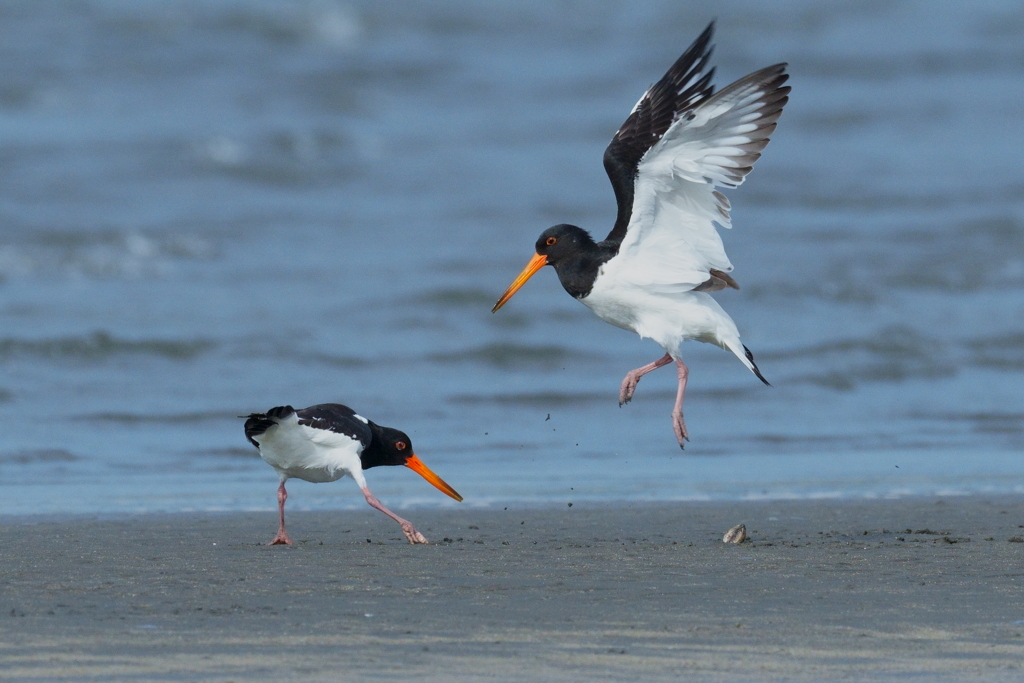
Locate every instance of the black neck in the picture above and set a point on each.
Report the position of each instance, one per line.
(375, 454)
(578, 271)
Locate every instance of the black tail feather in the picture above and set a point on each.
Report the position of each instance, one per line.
(757, 372)
(258, 423)
(280, 412)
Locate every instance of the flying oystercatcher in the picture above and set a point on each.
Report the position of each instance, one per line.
(324, 443)
(654, 272)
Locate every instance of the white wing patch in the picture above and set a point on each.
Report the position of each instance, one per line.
(672, 241)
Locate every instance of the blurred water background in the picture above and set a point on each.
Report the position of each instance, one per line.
(211, 207)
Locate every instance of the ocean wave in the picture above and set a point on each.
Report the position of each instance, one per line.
(894, 354)
(317, 22)
(337, 360)
(286, 158)
(895, 342)
(158, 418)
(990, 422)
(38, 455)
(897, 354)
(228, 452)
(104, 255)
(491, 446)
(504, 355)
(101, 345)
(458, 297)
(1004, 352)
(970, 256)
(852, 377)
(539, 399)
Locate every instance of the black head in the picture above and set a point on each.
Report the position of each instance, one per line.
(573, 253)
(560, 242)
(393, 447)
(389, 447)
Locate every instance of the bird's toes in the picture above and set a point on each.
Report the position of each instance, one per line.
(413, 535)
(626, 391)
(679, 427)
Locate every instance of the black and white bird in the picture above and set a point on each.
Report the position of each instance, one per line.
(324, 443)
(655, 271)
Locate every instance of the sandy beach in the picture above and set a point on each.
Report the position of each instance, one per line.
(916, 589)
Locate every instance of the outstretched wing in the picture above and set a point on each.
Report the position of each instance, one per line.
(671, 241)
(679, 90)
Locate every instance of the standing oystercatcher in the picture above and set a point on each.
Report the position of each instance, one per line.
(654, 271)
(327, 441)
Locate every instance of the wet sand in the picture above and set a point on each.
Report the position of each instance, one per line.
(918, 589)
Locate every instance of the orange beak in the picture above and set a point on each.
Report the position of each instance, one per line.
(417, 466)
(536, 263)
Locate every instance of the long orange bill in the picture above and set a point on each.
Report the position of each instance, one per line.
(417, 466)
(536, 263)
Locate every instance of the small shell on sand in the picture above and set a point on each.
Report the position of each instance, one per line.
(737, 534)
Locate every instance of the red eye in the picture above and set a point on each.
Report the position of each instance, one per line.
(400, 445)
(551, 241)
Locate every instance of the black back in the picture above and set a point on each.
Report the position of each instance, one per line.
(334, 417)
(682, 88)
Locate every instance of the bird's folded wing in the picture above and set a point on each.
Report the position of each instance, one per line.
(334, 418)
(671, 239)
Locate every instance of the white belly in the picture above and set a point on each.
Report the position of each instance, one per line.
(668, 319)
(314, 455)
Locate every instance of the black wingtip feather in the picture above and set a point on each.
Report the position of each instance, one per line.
(757, 372)
(683, 86)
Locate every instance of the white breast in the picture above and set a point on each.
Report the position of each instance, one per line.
(315, 455)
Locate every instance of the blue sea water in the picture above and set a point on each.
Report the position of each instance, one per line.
(208, 208)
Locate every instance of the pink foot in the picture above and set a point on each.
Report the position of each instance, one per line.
(282, 534)
(633, 378)
(679, 427)
(281, 539)
(678, 424)
(407, 528)
(414, 536)
(629, 386)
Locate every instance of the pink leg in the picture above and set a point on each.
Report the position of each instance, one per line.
(678, 425)
(407, 528)
(633, 378)
(282, 535)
